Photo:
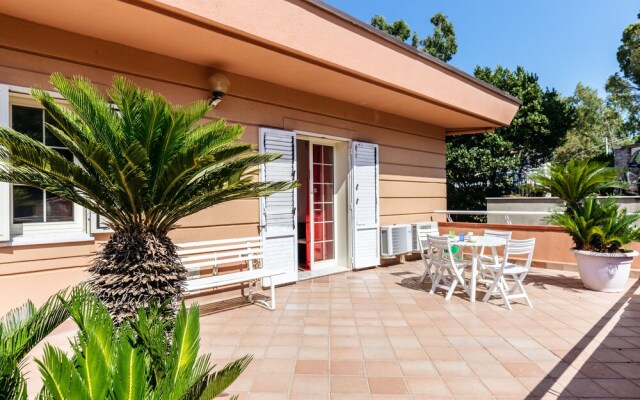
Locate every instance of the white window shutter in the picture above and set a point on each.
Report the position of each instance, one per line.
(365, 206)
(5, 199)
(278, 212)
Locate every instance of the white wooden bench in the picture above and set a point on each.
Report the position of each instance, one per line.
(215, 253)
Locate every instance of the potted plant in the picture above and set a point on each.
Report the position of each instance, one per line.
(599, 229)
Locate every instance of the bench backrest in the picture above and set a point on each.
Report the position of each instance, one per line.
(215, 253)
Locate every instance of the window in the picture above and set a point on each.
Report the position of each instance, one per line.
(32, 205)
(33, 211)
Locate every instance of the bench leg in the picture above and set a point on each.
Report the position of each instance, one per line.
(271, 305)
(249, 297)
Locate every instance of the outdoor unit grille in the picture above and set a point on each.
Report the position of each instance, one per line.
(431, 227)
(395, 240)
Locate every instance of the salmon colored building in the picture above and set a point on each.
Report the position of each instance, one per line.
(360, 117)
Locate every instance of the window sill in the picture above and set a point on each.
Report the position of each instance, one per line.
(30, 240)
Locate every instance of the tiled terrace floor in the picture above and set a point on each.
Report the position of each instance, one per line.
(377, 334)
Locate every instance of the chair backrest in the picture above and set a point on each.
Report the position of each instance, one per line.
(519, 247)
(423, 234)
(499, 234)
(440, 250)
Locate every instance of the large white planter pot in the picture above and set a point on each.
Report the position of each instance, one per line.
(604, 272)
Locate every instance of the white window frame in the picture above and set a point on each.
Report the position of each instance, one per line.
(33, 233)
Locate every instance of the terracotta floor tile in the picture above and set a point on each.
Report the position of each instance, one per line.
(418, 368)
(347, 367)
(272, 383)
(313, 367)
(349, 385)
(382, 368)
(277, 366)
(528, 369)
(505, 387)
(346, 353)
(310, 384)
(471, 387)
(453, 369)
(387, 385)
(432, 386)
(378, 353)
(621, 388)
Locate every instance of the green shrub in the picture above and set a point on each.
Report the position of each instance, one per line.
(597, 226)
(21, 329)
(148, 357)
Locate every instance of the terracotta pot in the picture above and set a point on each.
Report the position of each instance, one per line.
(604, 272)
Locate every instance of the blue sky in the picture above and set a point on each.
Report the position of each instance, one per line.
(563, 41)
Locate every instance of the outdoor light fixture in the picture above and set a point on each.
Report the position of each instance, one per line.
(219, 85)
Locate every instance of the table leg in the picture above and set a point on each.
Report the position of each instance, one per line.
(474, 273)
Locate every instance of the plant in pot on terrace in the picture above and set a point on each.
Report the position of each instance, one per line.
(142, 163)
(599, 229)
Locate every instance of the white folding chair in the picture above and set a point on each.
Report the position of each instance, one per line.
(449, 270)
(425, 252)
(510, 269)
(494, 258)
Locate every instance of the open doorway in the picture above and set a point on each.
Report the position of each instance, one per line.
(322, 167)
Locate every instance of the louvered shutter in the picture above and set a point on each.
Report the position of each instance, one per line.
(365, 209)
(5, 199)
(278, 211)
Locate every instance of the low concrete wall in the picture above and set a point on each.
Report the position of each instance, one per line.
(631, 203)
(553, 245)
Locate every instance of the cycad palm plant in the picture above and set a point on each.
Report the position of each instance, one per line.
(20, 331)
(148, 357)
(144, 164)
(576, 180)
(603, 227)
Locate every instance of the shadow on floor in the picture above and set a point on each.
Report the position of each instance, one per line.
(613, 367)
(229, 304)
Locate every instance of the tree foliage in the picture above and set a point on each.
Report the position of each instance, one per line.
(595, 121)
(398, 28)
(624, 87)
(492, 165)
(441, 43)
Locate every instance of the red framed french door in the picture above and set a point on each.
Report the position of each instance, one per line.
(321, 211)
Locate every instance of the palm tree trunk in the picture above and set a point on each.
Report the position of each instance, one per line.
(135, 268)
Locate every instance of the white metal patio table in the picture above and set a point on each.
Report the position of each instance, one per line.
(480, 241)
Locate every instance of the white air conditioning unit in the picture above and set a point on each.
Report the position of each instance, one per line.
(395, 240)
(430, 227)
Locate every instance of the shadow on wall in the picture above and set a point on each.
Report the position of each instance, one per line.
(612, 368)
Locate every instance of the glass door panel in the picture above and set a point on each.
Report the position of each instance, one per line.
(322, 202)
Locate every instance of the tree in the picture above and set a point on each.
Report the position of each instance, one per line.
(624, 87)
(144, 164)
(398, 28)
(442, 42)
(595, 121)
(493, 164)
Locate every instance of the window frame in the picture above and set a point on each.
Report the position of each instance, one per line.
(37, 232)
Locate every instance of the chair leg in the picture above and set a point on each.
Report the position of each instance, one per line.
(426, 273)
(436, 282)
(452, 288)
(519, 284)
(505, 297)
(493, 287)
